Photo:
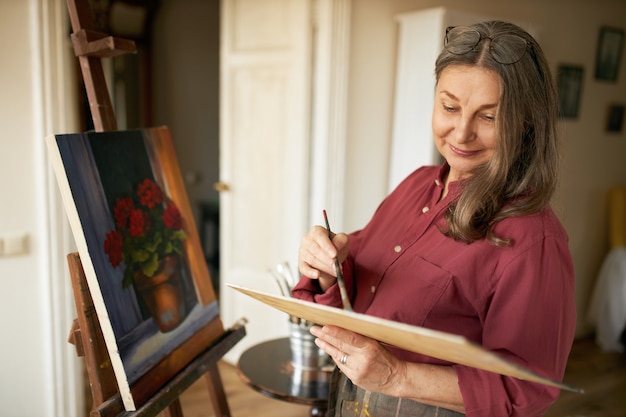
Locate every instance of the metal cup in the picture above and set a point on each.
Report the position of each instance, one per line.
(305, 355)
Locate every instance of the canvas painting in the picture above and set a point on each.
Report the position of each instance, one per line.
(136, 237)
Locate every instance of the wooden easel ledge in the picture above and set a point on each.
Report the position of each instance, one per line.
(203, 365)
(100, 45)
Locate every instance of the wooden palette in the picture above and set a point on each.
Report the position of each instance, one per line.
(436, 344)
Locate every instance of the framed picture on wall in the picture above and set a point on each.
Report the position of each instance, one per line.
(570, 81)
(609, 53)
(615, 118)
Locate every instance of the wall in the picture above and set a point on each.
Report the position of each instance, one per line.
(40, 368)
(592, 159)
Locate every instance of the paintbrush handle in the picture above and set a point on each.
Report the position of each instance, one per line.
(342, 286)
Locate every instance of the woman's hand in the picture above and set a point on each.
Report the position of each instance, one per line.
(369, 365)
(317, 253)
(364, 361)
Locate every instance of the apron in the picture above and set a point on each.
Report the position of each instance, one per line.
(348, 400)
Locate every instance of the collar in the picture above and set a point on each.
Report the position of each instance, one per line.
(454, 187)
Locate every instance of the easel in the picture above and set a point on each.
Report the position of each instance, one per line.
(86, 334)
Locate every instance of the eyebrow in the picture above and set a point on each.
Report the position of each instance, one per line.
(484, 106)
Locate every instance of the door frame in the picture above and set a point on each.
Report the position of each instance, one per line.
(329, 110)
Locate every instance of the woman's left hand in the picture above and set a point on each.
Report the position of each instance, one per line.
(364, 361)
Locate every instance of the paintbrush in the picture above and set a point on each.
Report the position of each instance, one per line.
(342, 285)
(282, 286)
(285, 271)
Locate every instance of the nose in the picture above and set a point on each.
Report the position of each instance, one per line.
(464, 130)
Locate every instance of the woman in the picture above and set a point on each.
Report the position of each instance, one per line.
(471, 247)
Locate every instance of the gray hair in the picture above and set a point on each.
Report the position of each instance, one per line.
(522, 176)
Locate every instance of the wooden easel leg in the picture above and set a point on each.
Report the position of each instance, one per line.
(174, 409)
(99, 101)
(100, 372)
(216, 391)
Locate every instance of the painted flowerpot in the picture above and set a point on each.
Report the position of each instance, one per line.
(163, 293)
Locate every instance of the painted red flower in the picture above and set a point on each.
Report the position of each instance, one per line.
(149, 193)
(113, 246)
(138, 223)
(172, 217)
(148, 229)
(122, 210)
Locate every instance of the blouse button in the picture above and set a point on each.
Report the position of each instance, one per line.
(373, 289)
(437, 182)
(425, 209)
(397, 248)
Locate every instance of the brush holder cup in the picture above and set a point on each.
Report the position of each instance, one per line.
(305, 355)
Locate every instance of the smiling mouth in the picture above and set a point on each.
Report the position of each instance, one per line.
(460, 152)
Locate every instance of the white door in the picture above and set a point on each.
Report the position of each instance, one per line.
(265, 101)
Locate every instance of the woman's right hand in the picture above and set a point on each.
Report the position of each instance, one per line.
(316, 257)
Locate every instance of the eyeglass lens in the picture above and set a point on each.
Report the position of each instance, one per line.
(505, 49)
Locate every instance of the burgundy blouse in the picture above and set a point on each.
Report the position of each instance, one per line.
(517, 301)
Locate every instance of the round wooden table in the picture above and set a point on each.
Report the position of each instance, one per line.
(267, 368)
